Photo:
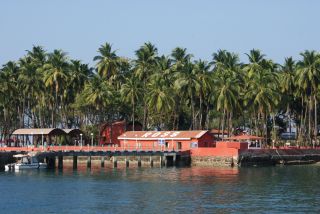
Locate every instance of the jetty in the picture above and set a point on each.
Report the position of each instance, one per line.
(54, 155)
(161, 148)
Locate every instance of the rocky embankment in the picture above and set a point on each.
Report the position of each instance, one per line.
(278, 156)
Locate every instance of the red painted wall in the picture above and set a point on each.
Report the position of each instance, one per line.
(205, 141)
(118, 128)
(218, 152)
(153, 144)
(222, 149)
(236, 145)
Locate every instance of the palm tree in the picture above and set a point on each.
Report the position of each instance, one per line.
(98, 93)
(180, 59)
(108, 61)
(79, 74)
(262, 92)
(159, 98)
(131, 92)
(287, 84)
(308, 79)
(29, 83)
(144, 66)
(38, 55)
(187, 84)
(55, 77)
(37, 58)
(9, 98)
(201, 71)
(226, 71)
(226, 95)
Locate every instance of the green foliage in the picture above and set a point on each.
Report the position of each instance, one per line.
(46, 89)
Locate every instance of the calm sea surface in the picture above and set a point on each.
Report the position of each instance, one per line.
(290, 189)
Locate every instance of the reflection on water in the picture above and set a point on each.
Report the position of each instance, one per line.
(161, 190)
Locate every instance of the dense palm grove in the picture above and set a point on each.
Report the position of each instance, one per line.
(173, 92)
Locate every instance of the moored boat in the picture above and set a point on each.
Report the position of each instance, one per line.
(25, 161)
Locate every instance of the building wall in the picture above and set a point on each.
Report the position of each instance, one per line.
(224, 154)
(154, 144)
(218, 152)
(236, 145)
(118, 128)
(206, 140)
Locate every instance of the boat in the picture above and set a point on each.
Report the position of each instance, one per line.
(25, 161)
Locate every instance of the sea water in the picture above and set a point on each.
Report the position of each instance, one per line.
(280, 189)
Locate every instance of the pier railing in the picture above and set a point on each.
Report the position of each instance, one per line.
(87, 148)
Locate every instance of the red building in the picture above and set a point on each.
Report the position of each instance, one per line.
(110, 133)
(171, 140)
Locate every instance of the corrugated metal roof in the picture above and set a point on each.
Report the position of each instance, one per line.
(217, 131)
(38, 131)
(244, 137)
(169, 135)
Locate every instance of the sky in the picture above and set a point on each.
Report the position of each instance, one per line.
(279, 28)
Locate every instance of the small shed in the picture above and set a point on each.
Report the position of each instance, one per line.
(43, 136)
(252, 140)
(34, 136)
(175, 140)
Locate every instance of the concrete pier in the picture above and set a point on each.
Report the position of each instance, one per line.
(102, 161)
(139, 161)
(51, 162)
(161, 161)
(115, 163)
(165, 161)
(75, 162)
(60, 162)
(174, 160)
(89, 162)
(151, 161)
(55, 159)
(127, 162)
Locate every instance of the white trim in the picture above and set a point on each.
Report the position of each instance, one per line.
(132, 138)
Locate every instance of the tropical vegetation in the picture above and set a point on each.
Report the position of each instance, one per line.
(174, 92)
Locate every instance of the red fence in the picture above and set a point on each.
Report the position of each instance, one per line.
(83, 148)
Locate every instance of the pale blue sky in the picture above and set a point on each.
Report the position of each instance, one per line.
(280, 28)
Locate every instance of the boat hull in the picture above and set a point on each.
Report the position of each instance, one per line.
(17, 167)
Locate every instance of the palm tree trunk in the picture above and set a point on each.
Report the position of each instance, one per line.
(309, 121)
(228, 123)
(200, 110)
(256, 122)
(133, 114)
(289, 115)
(300, 137)
(266, 126)
(207, 116)
(305, 124)
(273, 130)
(219, 127)
(192, 113)
(23, 112)
(315, 121)
(223, 120)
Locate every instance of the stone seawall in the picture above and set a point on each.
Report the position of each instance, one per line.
(212, 161)
(278, 156)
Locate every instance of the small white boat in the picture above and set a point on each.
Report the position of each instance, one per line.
(27, 161)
